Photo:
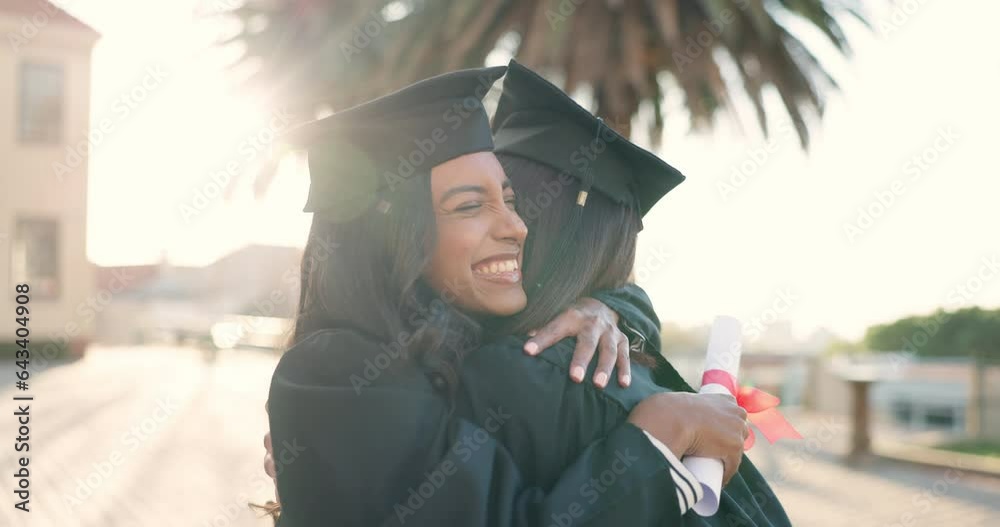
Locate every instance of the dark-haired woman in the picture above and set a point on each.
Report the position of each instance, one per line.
(597, 201)
(415, 247)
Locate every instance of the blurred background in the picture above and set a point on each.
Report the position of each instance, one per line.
(841, 201)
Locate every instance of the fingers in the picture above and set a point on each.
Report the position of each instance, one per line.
(606, 359)
(731, 464)
(269, 466)
(269, 457)
(624, 366)
(556, 330)
(584, 352)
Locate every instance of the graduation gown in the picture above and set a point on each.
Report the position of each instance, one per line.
(362, 438)
(554, 420)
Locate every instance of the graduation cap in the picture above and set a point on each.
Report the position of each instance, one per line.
(358, 154)
(538, 121)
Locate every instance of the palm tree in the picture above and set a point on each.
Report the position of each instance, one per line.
(310, 54)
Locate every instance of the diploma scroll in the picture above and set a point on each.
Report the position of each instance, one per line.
(724, 349)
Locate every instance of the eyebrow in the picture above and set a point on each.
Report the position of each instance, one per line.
(470, 188)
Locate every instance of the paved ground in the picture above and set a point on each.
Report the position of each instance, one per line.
(155, 437)
(146, 437)
(817, 489)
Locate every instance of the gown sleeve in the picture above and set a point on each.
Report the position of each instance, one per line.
(362, 439)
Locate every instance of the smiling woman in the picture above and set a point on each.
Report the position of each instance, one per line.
(477, 257)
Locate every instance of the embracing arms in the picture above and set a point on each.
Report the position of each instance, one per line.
(389, 452)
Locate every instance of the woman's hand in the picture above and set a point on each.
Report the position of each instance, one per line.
(595, 326)
(706, 425)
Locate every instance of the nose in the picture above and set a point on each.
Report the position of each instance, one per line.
(511, 228)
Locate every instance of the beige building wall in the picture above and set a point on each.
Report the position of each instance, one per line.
(29, 185)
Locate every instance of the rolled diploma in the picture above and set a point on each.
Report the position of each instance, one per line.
(724, 349)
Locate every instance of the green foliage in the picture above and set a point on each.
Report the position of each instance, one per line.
(979, 448)
(961, 333)
(841, 346)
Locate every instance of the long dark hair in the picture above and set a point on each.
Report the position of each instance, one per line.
(598, 256)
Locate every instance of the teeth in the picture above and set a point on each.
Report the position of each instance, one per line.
(498, 267)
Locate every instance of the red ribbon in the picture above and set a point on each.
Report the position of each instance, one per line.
(761, 408)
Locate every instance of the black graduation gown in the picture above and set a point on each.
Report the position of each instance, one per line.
(361, 438)
(553, 419)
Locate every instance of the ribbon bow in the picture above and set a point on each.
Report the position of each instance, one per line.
(760, 405)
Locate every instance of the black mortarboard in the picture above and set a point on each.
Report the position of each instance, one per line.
(355, 155)
(538, 121)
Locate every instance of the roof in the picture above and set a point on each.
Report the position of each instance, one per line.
(29, 8)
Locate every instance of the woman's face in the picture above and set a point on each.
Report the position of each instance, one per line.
(476, 264)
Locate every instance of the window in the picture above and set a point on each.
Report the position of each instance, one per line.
(35, 254)
(41, 104)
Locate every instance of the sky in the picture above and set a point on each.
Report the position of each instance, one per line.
(891, 212)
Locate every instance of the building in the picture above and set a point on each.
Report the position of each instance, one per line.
(174, 303)
(45, 67)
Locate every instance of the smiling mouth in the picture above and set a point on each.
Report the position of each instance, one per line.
(499, 270)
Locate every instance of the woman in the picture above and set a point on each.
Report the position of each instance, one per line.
(539, 129)
(359, 407)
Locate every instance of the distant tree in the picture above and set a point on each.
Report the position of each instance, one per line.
(963, 333)
(302, 55)
(843, 346)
